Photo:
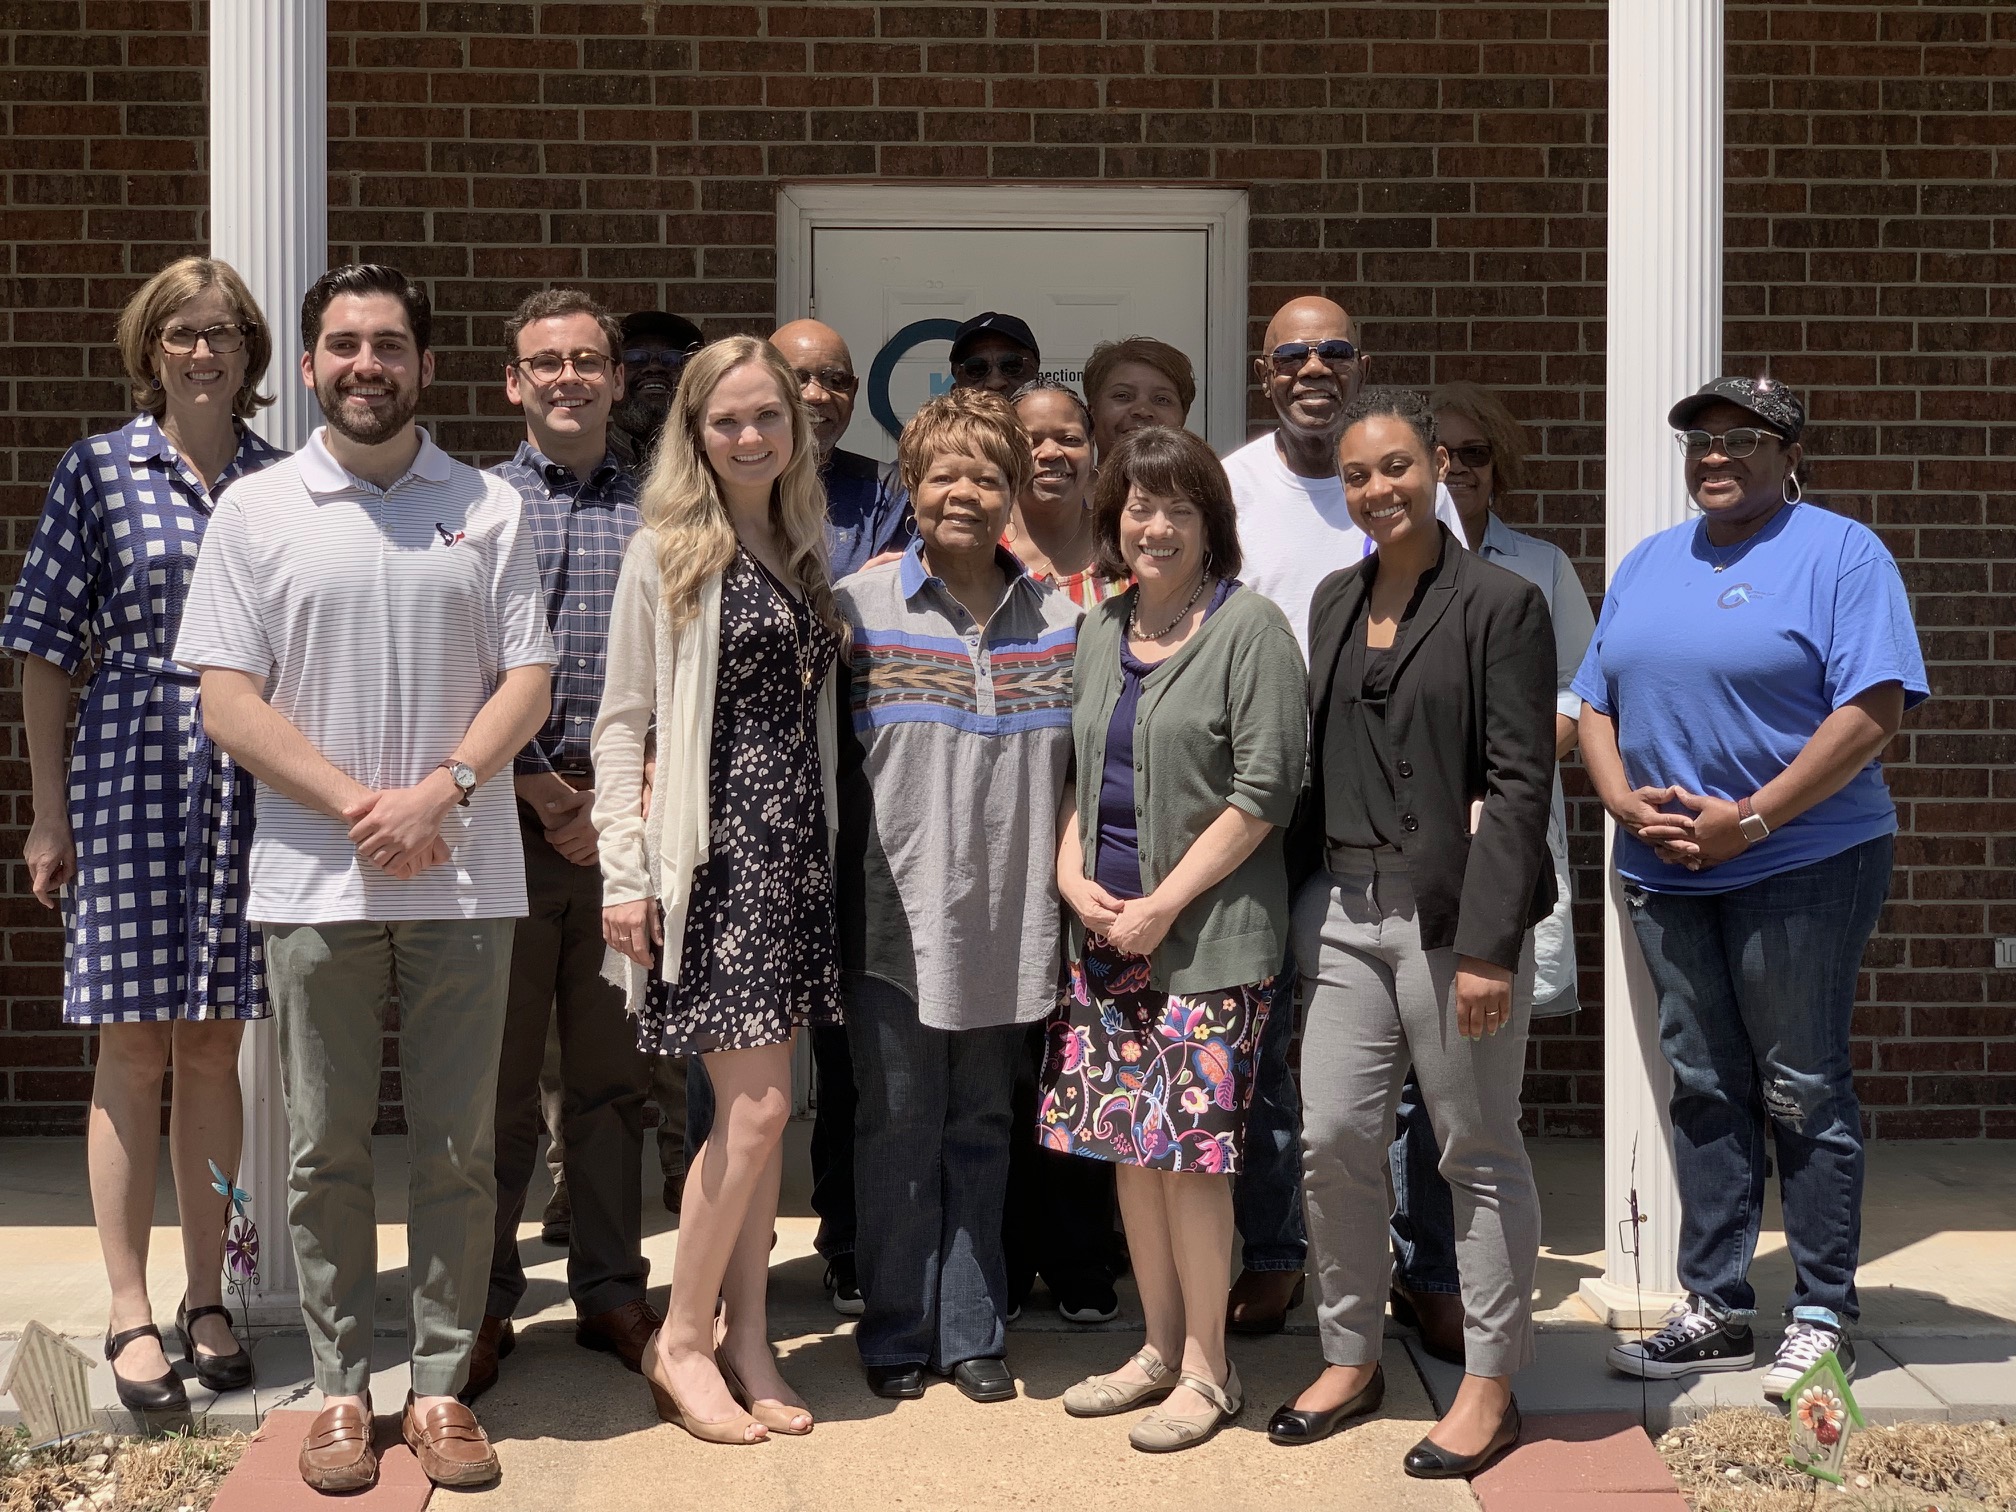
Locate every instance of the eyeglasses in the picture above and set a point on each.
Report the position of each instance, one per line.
(1014, 366)
(1473, 456)
(1734, 445)
(1292, 356)
(834, 380)
(547, 367)
(637, 357)
(180, 341)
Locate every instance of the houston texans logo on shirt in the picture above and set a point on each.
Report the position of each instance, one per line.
(448, 537)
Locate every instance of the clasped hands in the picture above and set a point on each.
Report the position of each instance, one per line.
(1135, 925)
(1704, 836)
(398, 830)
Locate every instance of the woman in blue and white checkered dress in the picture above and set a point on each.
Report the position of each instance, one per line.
(140, 830)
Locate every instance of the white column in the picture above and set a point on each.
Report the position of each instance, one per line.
(269, 218)
(1664, 329)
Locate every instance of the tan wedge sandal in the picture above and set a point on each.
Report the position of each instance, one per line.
(1106, 1395)
(778, 1417)
(1165, 1432)
(740, 1429)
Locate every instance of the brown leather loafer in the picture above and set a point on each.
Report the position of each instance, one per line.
(622, 1331)
(1260, 1301)
(1436, 1316)
(450, 1444)
(336, 1455)
(494, 1340)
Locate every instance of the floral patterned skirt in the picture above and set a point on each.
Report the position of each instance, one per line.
(1149, 1078)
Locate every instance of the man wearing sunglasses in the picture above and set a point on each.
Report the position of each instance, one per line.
(654, 351)
(995, 352)
(1295, 531)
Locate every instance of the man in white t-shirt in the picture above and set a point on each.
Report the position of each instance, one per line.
(366, 615)
(1295, 530)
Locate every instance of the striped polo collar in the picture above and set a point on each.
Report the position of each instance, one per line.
(321, 473)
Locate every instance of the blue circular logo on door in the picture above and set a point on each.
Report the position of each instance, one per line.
(894, 350)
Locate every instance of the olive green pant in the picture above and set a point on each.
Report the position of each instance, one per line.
(330, 985)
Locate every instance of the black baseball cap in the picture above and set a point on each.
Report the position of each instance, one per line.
(675, 331)
(993, 322)
(1766, 398)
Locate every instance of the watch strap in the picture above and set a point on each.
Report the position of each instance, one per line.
(1749, 822)
(462, 791)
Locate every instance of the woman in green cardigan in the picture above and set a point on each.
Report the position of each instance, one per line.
(1189, 731)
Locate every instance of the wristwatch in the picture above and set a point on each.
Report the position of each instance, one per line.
(465, 779)
(1749, 822)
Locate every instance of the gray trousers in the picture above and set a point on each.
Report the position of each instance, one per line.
(556, 982)
(329, 984)
(1378, 1002)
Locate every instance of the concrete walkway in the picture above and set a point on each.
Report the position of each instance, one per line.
(1939, 1340)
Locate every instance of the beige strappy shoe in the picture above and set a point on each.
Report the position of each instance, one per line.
(1165, 1432)
(1105, 1395)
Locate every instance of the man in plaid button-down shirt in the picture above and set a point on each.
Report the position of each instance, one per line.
(563, 369)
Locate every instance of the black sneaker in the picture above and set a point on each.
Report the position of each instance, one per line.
(1693, 1338)
(1086, 1299)
(1800, 1350)
(843, 1286)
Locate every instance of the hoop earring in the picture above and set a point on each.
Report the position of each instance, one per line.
(1791, 490)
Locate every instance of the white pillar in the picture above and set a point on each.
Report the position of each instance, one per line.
(269, 218)
(1664, 329)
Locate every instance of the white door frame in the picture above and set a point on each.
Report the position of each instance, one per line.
(1219, 213)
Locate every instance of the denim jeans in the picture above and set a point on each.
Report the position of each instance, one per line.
(1424, 1214)
(1061, 1208)
(832, 1134)
(931, 1178)
(1756, 992)
(1267, 1195)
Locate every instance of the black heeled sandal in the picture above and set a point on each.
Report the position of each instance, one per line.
(232, 1372)
(165, 1395)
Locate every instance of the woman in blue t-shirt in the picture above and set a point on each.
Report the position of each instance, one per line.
(1747, 669)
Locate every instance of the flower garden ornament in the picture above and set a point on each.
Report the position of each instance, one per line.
(1824, 1417)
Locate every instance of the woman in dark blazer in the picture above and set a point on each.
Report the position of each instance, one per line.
(1423, 836)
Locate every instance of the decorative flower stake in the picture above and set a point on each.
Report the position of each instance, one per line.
(241, 1236)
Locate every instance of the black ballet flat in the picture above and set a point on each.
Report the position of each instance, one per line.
(1428, 1460)
(1291, 1426)
(232, 1372)
(165, 1395)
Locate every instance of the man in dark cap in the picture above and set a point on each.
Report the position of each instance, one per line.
(655, 349)
(995, 352)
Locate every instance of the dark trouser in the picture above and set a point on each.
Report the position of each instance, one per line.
(1424, 1213)
(832, 1134)
(1267, 1193)
(556, 969)
(1756, 994)
(931, 1175)
(1061, 1209)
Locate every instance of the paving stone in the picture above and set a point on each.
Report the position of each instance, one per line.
(1578, 1452)
(1975, 1376)
(1567, 1375)
(1884, 1389)
(268, 1477)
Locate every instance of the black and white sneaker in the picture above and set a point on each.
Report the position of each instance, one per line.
(1800, 1350)
(1693, 1338)
(844, 1287)
(1086, 1299)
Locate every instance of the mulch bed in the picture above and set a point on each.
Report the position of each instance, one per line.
(105, 1473)
(1733, 1461)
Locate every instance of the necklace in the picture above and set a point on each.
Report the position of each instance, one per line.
(1723, 561)
(1134, 615)
(798, 649)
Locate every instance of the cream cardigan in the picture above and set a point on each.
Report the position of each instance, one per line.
(657, 674)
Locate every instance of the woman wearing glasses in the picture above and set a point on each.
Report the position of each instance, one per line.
(1746, 671)
(158, 953)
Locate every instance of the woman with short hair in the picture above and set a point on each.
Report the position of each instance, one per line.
(1748, 668)
(1136, 383)
(720, 897)
(1188, 725)
(159, 817)
(1050, 528)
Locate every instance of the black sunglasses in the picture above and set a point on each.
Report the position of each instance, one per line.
(1012, 366)
(834, 380)
(657, 357)
(1292, 356)
(1473, 456)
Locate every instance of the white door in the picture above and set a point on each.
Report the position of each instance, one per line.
(895, 268)
(896, 295)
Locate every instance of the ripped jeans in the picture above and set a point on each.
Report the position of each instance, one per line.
(1756, 992)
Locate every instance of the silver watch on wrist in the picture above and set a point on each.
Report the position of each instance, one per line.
(465, 779)
(1749, 823)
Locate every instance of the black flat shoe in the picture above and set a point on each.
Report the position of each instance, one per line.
(899, 1383)
(1292, 1425)
(1428, 1460)
(984, 1380)
(166, 1394)
(232, 1372)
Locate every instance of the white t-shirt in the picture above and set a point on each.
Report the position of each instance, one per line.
(1295, 531)
(381, 621)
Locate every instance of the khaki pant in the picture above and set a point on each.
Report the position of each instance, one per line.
(330, 985)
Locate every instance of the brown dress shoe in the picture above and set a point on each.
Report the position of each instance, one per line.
(450, 1444)
(622, 1331)
(1436, 1316)
(336, 1455)
(494, 1340)
(1260, 1301)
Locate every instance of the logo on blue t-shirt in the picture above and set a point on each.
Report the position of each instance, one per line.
(1736, 595)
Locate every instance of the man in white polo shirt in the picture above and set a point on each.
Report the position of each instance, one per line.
(373, 648)
(1295, 530)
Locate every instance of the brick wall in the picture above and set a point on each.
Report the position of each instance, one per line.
(1438, 167)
